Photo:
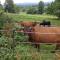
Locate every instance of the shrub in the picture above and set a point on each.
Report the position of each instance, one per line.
(21, 37)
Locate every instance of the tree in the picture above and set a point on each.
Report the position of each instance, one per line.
(1, 8)
(32, 10)
(57, 8)
(1, 15)
(9, 6)
(50, 8)
(41, 7)
(17, 8)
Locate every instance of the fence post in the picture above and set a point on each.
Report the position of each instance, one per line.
(13, 34)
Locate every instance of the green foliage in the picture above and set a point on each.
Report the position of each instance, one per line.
(54, 8)
(50, 8)
(2, 41)
(1, 7)
(17, 9)
(36, 9)
(9, 6)
(6, 23)
(32, 10)
(6, 42)
(4, 18)
(41, 7)
(20, 37)
(57, 8)
(6, 54)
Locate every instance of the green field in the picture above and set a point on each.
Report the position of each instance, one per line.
(27, 51)
(27, 17)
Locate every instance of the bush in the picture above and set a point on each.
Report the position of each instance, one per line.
(3, 41)
(6, 42)
(21, 37)
(57, 13)
(4, 18)
(32, 11)
(6, 54)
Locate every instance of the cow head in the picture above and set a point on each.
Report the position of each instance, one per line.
(34, 24)
(27, 26)
(27, 23)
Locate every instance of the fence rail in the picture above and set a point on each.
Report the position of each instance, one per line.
(36, 55)
(36, 43)
(30, 32)
(25, 32)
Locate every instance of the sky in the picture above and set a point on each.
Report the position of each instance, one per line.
(28, 1)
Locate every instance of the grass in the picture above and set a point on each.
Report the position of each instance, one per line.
(28, 52)
(28, 17)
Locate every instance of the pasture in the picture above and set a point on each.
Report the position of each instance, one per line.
(27, 51)
(27, 17)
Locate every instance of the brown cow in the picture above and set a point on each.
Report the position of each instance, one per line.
(44, 35)
(27, 23)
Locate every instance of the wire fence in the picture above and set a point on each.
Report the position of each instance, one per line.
(17, 31)
(32, 54)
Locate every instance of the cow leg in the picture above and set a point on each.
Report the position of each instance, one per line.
(57, 48)
(38, 47)
(51, 51)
